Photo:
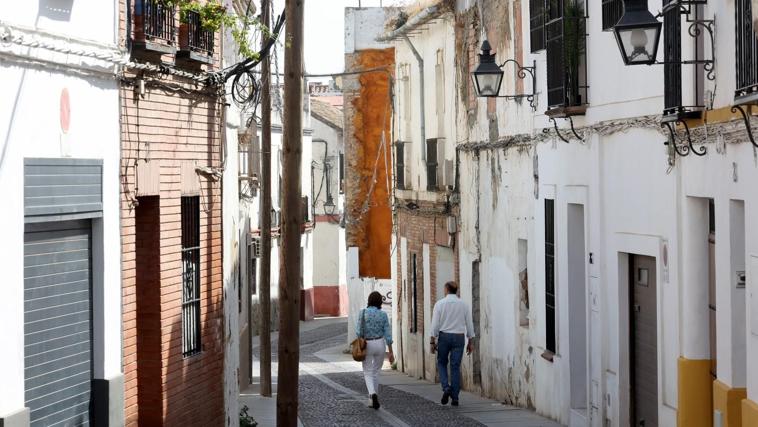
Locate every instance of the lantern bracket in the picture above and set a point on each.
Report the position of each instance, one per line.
(685, 149)
(558, 132)
(521, 73)
(746, 120)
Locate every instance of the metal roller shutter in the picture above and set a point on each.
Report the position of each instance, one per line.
(58, 322)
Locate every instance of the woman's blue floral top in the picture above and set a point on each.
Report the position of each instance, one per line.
(377, 325)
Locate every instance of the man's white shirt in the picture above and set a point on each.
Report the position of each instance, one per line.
(451, 315)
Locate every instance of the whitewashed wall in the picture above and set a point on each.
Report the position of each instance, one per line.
(30, 126)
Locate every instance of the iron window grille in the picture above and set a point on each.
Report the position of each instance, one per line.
(198, 38)
(550, 340)
(414, 301)
(746, 52)
(566, 42)
(612, 11)
(190, 212)
(158, 20)
(672, 54)
(537, 25)
(252, 267)
(400, 165)
(431, 164)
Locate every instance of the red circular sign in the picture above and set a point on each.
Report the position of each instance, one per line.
(65, 111)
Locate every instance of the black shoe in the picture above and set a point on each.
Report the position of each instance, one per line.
(455, 403)
(375, 401)
(445, 397)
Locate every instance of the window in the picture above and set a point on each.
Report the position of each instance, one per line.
(747, 51)
(190, 275)
(565, 41)
(537, 25)
(550, 275)
(431, 164)
(612, 11)
(342, 173)
(244, 157)
(400, 165)
(672, 54)
(414, 295)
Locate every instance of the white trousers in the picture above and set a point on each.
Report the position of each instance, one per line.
(373, 364)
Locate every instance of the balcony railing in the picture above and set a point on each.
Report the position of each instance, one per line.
(198, 39)
(158, 21)
(746, 53)
(566, 47)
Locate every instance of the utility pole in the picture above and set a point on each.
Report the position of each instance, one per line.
(292, 218)
(265, 288)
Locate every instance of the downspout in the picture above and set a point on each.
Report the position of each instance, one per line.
(420, 61)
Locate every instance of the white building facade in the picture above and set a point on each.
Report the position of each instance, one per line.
(59, 174)
(612, 277)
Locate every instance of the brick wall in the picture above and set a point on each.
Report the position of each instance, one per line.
(169, 129)
(172, 126)
(420, 227)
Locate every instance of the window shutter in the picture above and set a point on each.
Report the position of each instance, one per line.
(537, 25)
(440, 158)
(408, 184)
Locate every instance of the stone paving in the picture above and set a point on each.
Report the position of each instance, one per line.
(333, 393)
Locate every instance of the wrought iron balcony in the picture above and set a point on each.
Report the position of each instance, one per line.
(154, 26)
(195, 42)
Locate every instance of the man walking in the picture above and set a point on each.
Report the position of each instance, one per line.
(451, 324)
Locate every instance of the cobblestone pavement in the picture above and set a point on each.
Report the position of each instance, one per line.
(333, 393)
(332, 396)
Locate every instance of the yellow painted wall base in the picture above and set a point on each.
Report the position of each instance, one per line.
(749, 413)
(695, 393)
(729, 401)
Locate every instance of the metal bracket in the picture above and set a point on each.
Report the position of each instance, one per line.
(685, 149)
(558, 132)
(521, 73)
(746, 119)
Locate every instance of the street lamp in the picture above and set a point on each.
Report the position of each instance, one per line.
(488, 76)
(637, 34)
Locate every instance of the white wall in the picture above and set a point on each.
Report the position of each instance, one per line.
(30, 127)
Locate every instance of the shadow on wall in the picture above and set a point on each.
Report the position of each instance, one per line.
(57, 10)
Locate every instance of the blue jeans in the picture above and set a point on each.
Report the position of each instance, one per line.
(450, 350)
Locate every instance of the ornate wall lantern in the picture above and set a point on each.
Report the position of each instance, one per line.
(488, 76)
(637, 34)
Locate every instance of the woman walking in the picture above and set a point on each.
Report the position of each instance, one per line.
(374, 326)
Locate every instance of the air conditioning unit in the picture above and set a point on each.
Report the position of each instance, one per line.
(255, 247)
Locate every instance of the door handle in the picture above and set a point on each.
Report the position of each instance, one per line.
(637, 308)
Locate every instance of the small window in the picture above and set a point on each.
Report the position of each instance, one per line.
(431, 164)
(342, 173)
(190, 275)
(537, 25)
(400, 165)
(252, 266)
(550, 341)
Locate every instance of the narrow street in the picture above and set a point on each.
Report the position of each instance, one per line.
(332, 392)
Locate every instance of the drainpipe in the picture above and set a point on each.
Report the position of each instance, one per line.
(420, 61)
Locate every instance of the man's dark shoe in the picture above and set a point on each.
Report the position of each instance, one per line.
(455, 403)
(445, 397)
(375, 401)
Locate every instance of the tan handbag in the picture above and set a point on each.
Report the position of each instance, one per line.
(358, 346)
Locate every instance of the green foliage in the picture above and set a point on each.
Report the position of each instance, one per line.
(214, 16)
(245, 419)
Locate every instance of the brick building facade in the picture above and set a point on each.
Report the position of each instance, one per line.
(171, 226)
